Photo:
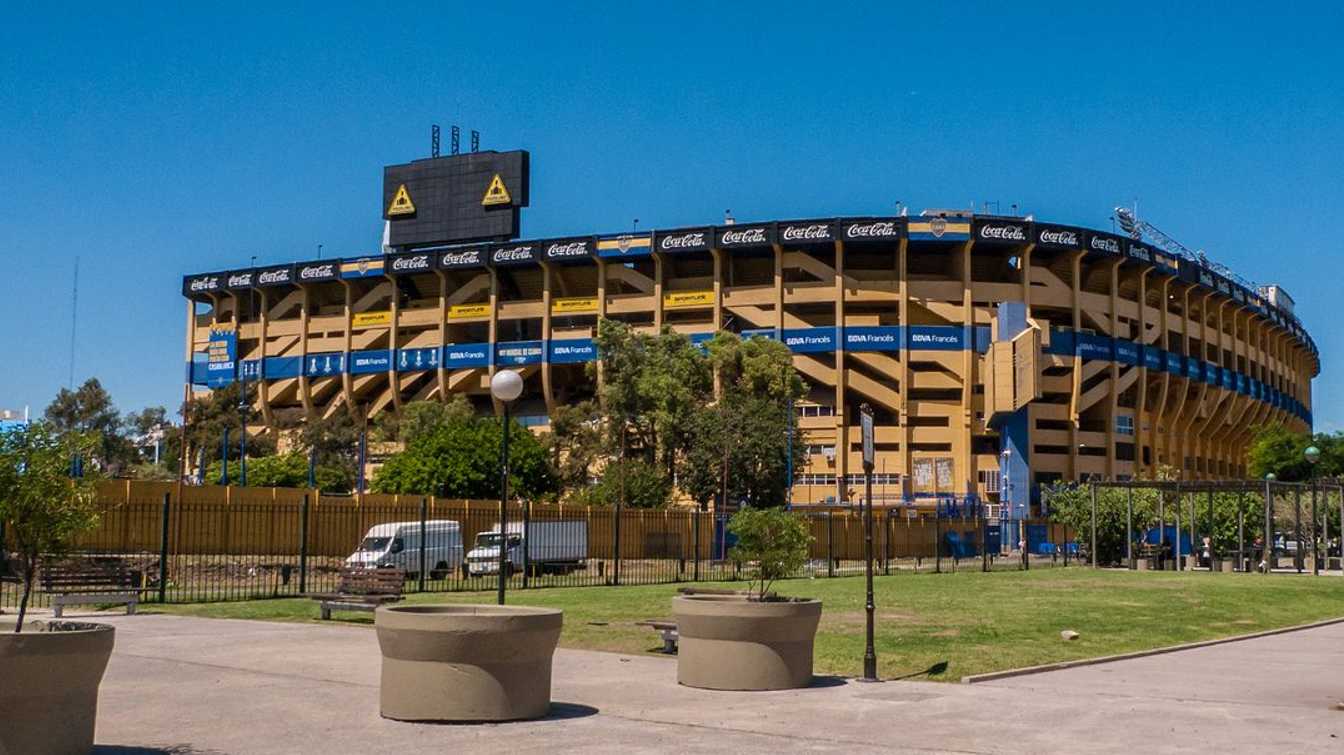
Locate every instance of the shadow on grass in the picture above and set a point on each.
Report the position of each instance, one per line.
(937, 669)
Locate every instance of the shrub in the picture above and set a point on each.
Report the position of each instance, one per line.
(772, 542)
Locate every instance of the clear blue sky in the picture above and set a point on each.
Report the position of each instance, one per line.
(161, 141)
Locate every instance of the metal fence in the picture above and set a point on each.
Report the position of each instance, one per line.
(1264, 526)
(193, 544)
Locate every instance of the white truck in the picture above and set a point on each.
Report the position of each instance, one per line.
(551, 547)
(398, 544)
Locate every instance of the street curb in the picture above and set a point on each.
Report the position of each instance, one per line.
(995, 675)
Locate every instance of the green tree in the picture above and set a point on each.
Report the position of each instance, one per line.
(42, 508)
(334, 441)
(772, 543)
(288, 471)
(634, 482)
(461, 460)
(419, 418)
(145, 429)
(1279, 450)
(208, 415)
(575, 444)
(89, 409)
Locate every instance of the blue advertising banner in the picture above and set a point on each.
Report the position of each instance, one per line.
(221, 357)
(324, 364)
(518, 352)
(1153, 358)
(1095, 347)
(936, 337)
(873, 338)
(1175, 364)
(463, 355)
(1127, 352)
(279, 368)
(1061, 342)
(810, 340)
(250, 369)
(412, 360)
(572, 351)
(759, 333)
(367, 362)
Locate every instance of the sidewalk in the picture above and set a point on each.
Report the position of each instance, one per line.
(183, 685)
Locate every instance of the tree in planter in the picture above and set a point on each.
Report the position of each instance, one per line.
(42, 508)
(773, 542)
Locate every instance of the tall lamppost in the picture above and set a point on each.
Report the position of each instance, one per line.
(505, 386)
(1267, 549)
(1313, 455)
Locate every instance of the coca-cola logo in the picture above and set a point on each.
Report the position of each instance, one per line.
(1103, 244)
(1140, 253)
(883, 229)
(746, 236)
(513, 254)
(208, 283)
(1059, 238)
(273, 277)
(460, 259)
(406, 264)
(1003, 232)
(682, 241)
(317, 272)
(813, 232)
(567, 249)
(240, 279)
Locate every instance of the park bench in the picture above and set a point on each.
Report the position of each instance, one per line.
(89, 581)
(666, 629)
(362, 589)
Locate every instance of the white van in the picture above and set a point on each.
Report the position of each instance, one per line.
(398, 544)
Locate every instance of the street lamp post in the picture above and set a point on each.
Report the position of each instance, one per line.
(1313, 456)
(506, 386)
(869, 446)
(1267, 548)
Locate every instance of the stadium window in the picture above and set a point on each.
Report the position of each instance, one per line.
(1124, 424)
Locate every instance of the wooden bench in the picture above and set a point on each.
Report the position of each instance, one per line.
(362, 590)
(668, 631)
(85, 581)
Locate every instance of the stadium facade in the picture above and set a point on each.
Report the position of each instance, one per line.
(997, 352)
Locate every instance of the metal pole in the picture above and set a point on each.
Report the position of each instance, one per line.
(695, 529)
(1161, 525)
(1315, 532)
(1210, 529)
(503, 509)
(1241, 532)
(1176, 547)
(616, 567)
(830, 545)
(937, 535)
(303, 545)
(163, 551)
(869, 653)
(1341, 528)
(1094, 525)
(1267, 551)
(982, 523)
(424, 514)
(1129, 526)
(1297, 529)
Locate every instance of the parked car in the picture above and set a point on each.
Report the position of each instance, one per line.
(551, 547)
(398, 544)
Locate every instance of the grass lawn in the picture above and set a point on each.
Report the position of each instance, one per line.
(952, 624)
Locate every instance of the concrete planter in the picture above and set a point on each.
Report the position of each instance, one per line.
(1141, 564)
(1226, 565)
(726, 642)
(49, 692)
(466, 662)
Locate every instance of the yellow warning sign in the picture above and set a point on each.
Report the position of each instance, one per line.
(401, 203)
(496, 193)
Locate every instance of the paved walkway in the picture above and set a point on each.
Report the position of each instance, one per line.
(187, 685)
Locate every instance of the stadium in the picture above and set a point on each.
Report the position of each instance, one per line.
(997, 352)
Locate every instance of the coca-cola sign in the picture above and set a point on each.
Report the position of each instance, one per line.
(1055, 236)
(805, 232)
(200, 284)
(514, 254)
(995, 232)
(240, 279)
(870, 230)
(275, 276)
(462, 258)
(568, 249)
(1139, 252)
(412, 263)
(1105, 244)
(673, 242)
(758, 235)
(316, 272)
